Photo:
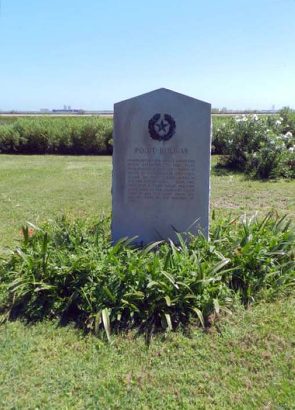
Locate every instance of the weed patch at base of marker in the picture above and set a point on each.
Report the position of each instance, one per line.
(71, 271)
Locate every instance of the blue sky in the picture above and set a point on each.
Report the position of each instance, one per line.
(92, 53)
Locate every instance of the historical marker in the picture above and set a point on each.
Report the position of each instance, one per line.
(161, 166)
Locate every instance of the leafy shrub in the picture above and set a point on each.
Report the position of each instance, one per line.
(263, 147)
(71, 271)
(288, 120)
(9, 139)
(221, 132)
(42, 135)
(287, 164)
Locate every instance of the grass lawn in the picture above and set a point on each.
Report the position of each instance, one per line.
(35, 188)
(248, 363)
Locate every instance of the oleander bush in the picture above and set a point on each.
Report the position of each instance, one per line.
(71, 271)
(65, 135)
(262, 147)
(221, 130)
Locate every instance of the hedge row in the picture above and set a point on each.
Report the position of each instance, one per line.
(43, 135)
(260, 146)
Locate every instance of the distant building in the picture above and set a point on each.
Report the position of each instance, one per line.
(68, 110)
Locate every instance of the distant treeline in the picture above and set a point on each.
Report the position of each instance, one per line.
(64, 135)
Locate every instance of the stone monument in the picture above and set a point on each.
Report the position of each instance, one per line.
(161, 166)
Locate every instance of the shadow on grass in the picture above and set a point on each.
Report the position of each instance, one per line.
(221, 170)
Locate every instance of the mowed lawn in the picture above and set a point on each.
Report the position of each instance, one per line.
(248, 362)
(37, 188)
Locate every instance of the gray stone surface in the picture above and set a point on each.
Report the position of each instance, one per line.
(161, 166)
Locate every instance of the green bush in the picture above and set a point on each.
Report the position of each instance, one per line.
(9, 139)
(71, 271)
(288, 120)
(65, 135)
(221, 132)
(262, 147)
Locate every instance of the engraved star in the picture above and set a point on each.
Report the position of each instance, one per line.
(162, 126)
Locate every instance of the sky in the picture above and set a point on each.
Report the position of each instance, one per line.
(90, 54)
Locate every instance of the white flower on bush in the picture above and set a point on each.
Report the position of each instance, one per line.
(230, 141)
(288, 134)
(292, 149)
(278, 122)
(243, 118)
(255, 117)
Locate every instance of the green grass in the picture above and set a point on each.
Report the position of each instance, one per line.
(247, 363)
(36, 188)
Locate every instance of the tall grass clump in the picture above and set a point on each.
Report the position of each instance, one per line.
(34, 135)
(71, 271)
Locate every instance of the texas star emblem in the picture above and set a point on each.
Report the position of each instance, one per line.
(162, 127)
